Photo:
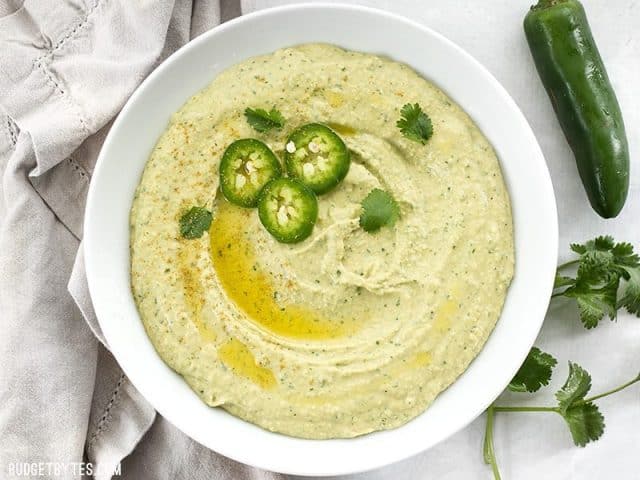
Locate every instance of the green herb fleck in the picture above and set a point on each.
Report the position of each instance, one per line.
(415, 124)
(195, 222)
(379, 209)
(263, 121)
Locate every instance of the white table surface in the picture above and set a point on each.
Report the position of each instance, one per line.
(538, 446)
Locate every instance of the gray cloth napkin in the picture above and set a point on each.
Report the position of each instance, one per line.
(66, 68)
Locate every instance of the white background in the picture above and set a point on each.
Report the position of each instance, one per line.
(538, 445)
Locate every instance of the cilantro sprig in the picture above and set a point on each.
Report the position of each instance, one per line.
(379, 209)
(607, 279)
(194, 222)
(415, 124)
(263, 121)
(580, 413)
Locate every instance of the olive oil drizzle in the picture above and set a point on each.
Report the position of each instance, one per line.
(237, 356)
(251, 290)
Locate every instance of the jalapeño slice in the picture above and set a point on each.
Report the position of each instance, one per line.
(246, 167)
(288, 210)
(317, 156)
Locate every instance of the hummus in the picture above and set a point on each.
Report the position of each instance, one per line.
(347, 332)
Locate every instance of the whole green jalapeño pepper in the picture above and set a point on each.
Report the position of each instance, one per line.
(575, 78)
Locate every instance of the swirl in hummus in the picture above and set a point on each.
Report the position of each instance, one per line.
(347, 332)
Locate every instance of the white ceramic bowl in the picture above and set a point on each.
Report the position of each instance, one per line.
(145, 116)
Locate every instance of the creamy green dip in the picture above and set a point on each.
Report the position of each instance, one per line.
(347, 332)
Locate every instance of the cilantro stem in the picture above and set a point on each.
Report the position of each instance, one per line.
(526, 409)
(495, 408)
(558, 294)
(568, 264)
(488, 451)
(610, 392)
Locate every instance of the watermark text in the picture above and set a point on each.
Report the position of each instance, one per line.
(59, 469)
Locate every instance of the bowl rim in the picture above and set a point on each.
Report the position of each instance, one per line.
(136, 374)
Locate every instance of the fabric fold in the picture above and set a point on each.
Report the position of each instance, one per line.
(79, 291)
(49, 48)
(119, 418)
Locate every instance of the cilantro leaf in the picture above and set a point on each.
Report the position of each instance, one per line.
(624, 255)
(599, 243)
(575, 388)
(594, 303)
(379, 209)
(578, 248)
(602, 257)
(631, 295)
(534, 373)
(562, 281)
(585, 422)
(263, 121)
(415, 124)
(194, 222)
